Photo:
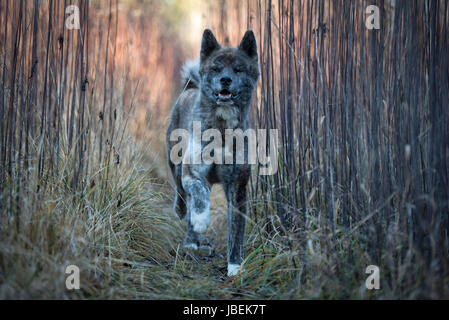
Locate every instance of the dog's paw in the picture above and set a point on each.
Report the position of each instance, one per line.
(202, 250)
(205, 250)
(233, 269)
(190, 246)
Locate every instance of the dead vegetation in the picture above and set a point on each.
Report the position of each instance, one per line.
(363, 163)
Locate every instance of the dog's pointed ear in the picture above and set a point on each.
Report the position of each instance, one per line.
(208, 45)
(249, 44)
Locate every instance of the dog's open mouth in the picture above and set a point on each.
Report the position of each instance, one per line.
(224, 94)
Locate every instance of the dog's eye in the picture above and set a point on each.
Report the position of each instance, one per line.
(238, 69)
(216, 69)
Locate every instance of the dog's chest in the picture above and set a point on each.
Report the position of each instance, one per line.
(227, 117)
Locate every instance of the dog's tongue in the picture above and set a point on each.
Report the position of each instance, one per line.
(224, 94)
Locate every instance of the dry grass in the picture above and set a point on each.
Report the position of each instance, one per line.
(83, 174)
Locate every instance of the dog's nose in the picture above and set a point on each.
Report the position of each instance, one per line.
(225, 81)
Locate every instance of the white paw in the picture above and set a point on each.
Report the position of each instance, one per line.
(192, 246)
(233, 269)
(200, 222)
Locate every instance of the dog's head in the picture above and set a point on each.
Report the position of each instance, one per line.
(228, 75)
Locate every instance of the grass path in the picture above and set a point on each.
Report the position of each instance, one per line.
(190, 274)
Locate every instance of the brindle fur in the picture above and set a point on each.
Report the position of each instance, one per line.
(237, 70)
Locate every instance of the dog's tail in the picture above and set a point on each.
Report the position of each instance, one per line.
(190, 75)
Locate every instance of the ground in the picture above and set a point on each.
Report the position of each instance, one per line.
(194, 274)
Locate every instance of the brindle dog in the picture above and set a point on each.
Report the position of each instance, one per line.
(217, 92)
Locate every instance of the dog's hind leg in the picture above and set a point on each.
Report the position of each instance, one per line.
(179, 204)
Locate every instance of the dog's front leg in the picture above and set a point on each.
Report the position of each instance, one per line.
(236, 198)
(198, 190)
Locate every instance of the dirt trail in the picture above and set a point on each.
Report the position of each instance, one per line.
(199, 275)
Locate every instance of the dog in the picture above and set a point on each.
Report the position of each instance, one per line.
(217, 93)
